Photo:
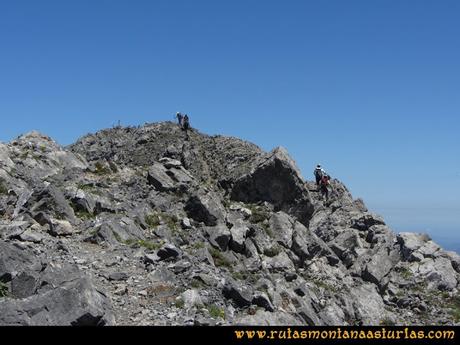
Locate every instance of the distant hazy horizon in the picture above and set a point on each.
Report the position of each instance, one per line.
(442, 225)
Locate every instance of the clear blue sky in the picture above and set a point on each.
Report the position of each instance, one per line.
(371, 89)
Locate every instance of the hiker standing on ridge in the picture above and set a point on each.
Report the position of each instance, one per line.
(185, 123)
(319, 173)
(180, 119)
(324, 184)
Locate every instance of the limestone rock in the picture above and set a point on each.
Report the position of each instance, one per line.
(276, 180)
(241, 295)
(219, 236)
(206, 209)
(75, 303)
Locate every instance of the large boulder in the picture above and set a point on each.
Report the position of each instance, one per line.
(239, 233)
(177, 173)
(205, 208)
(42, 158)
(279, 263)
(380, 264)
(282, 227)
(262, 300)
(219, 236)
(56, 295)
(52, 202)
(15, 260)
(277, 180)
(115, 230)
(191, 299)
(454, 260)
(5, 157)
(168, 251)
(368, 304)
(410, 243)
(346, 246)
(25, 284)
(438, 272)
(75, 303)
(61, 228)
(364, 222)
(306, 245)
(13, 229)
(240, 294)
(55, 275)
(23, 196)
(81, 200)
(159, 179)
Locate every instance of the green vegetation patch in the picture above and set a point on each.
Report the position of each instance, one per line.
(3, 188)
(196, 283)
(81, 213)
(323, 285)
(84, 215)
(143, 243)
(405, 273)
(4, 292)
(170, 220)
(239, 276)
(90, 188)
(267, 229)
(272, 251)
(386, 321)
(216, 312)
(100, 169)
(454, 306)
(219, 258)
(155, 219)
(259, 215)
(179, 303)
(152, 220)
(198, 245)
(117, 237)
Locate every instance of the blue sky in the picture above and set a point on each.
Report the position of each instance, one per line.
(371, 89)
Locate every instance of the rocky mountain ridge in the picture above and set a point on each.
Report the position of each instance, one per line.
(151, 225)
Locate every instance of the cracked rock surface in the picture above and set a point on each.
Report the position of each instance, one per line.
(150, 226)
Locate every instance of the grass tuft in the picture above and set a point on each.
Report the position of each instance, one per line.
(4, 292)
(216, 312)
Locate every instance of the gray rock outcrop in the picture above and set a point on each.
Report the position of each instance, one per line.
(149, 226)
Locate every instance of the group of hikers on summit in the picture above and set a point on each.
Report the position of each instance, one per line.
(322, 178)
(183, 121)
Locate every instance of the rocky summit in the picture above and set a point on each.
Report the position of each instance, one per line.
(154, 226)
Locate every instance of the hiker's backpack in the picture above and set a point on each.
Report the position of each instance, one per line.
(319, 172)
(186, 122)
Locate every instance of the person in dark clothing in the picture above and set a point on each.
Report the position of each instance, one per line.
(319, 173)
(186, 123)
(324, 184)
(180, 119)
